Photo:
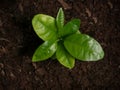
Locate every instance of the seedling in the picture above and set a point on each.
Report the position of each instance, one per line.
(65, 42)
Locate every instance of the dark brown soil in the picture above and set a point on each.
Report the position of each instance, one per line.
(100, 19)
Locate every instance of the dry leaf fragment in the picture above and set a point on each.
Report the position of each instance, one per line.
(64, 4)
(88, 12)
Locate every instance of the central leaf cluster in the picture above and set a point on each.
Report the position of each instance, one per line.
(66, 40)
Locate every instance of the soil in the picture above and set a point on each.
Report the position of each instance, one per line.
(18, 41)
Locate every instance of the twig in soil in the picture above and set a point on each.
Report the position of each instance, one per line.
(64, 4)
(3, 39)
(110, 4)
(34, 65)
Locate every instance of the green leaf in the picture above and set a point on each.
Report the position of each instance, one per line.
(71, 27)
(64, 57)
(60, 19)
(83, 47)
(44, 27)
(44, 51)
(78, 32)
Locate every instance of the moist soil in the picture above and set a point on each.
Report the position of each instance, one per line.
(99, 19)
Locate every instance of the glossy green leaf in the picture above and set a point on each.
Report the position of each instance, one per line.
(64, 57)
(66, 40)
(78, 32)
(60, 19)
(83, 47)
(44, 27)
(71, 27)
(44, 51)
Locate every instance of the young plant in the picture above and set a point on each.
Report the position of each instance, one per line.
(64, 41)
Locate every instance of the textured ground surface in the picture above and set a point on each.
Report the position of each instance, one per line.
(100, 19)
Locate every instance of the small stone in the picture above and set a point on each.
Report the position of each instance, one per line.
(36, 78)
(119, 66)
(40, 71)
